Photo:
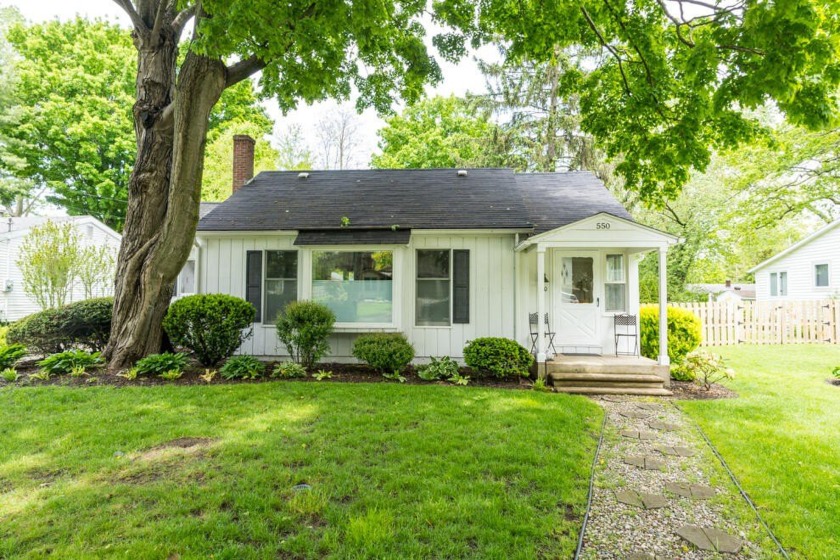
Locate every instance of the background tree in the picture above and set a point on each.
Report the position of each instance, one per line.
(305, 51)
(671, 77)
(49, 263)
(338, 139)
(70, 123)
(293, 153)
(95, 270)
(438, 132)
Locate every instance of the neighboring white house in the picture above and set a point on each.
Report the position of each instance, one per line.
(730, 291)
(13, 231)
(442, 255)
(809, 269)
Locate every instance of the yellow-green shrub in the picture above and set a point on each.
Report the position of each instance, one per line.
(684, 331)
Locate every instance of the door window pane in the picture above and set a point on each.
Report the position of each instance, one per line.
(280, 282)
(433, 300)
(821, 275)
(357, 286)
(577, 280)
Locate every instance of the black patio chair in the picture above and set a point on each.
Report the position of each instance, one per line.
(625, 325)
(534, 328)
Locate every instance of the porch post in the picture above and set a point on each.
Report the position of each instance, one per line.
(663, 307)
(540, 305)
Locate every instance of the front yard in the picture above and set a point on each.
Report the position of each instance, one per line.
(781, 437)
(199, 472)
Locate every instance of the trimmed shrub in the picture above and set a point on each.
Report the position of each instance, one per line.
(157, 364)
(684, 332)
(288, 370)
(10, 354)
(242, 367)
(499, 357)
(84, 323)
(212, 326)
(305, 327)
(65, 363)
(385, 352)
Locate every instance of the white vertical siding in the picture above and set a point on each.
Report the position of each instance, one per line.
(222, 270)
(799, 265)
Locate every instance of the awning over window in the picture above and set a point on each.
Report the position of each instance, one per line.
(354, 237)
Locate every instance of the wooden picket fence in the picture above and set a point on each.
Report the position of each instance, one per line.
(767, 322)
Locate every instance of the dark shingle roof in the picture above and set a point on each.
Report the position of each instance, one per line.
(554, 200)
(354, 237)
(205, 208)
(411, 199)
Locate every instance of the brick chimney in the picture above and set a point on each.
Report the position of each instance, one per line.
(243, 160)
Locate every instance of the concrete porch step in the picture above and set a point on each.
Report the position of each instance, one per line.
(610, 378)
(604, 390)
(566, 367)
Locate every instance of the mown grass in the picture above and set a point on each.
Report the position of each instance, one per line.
(395, 472)
(781, 437)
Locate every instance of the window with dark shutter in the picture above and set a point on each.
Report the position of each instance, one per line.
(253, 287)
(460, 286)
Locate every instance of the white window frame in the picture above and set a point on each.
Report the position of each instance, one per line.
(827, 266)
(623, 282)
(449, 279)
(780, 293)
(265, 278)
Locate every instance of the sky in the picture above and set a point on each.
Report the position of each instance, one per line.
(458, 79)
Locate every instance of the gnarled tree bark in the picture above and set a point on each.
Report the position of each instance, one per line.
(171, 121)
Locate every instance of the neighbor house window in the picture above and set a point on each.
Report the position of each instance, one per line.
(278, 283)
(185, 285)
(356, 285)
(778, 284)
(821, 275)
(443, 287)
(616, 284)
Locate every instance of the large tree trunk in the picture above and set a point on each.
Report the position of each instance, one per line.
(171, 122)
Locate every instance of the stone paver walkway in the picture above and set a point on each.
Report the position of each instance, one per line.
(653, 498)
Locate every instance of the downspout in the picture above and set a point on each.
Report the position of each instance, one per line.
(515, 286)
(6, 292)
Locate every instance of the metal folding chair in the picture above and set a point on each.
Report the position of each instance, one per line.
(626, 325)
(533, 325)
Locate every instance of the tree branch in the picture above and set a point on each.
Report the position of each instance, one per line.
(237, 72)
(182, 18)
(128, 8)
(609, 48)
(162, 8)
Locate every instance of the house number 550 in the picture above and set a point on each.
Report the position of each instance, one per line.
(602, 225)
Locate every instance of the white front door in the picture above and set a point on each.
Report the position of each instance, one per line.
(576, 302)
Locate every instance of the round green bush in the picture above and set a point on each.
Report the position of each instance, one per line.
(385, 352)
(305, 327)
(500, 357)
(684, 332)
(84, 323)
(212, 326)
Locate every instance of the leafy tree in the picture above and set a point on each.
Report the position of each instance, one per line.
(293, 154)
(218, 161)
(672, 76)
(71, 124)
(438, 132)
(303, 51)
(52, 258)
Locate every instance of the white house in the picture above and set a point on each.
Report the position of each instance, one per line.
(13, 231)
(442, 255)
(806, 270)
(729, 292)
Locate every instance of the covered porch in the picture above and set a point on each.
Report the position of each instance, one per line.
(578, 279)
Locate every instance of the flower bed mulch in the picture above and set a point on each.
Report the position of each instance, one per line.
(342, 373)
(688, 390)
(835, 382)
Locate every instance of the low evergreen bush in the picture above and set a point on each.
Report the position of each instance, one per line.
(385, 352)
(499, 357)
(82, 324)
(213, 326)
(684, 331)
(305, 327)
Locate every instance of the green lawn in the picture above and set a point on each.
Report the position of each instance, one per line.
(782, 439)
(395, 471)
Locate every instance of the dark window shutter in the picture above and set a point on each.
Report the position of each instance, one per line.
(253, 287)
(461, 286)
